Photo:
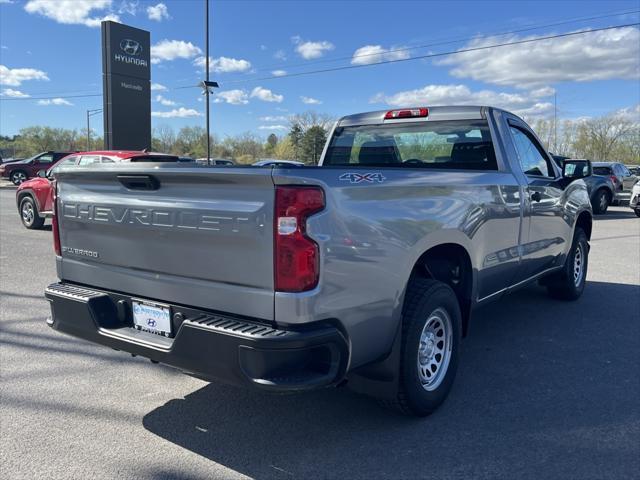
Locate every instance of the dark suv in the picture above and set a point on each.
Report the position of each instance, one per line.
(23, 170)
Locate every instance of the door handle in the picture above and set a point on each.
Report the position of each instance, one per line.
(536, 197)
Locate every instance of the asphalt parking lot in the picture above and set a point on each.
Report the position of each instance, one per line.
(545, 389)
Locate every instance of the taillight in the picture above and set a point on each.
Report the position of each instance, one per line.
(614, 179)
(54, 220)
(407, 113)
(296, 256)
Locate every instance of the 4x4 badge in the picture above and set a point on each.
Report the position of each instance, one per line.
(362, 177)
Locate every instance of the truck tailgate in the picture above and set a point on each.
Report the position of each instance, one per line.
(193, 236)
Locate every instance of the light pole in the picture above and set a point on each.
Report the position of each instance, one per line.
(207, 84)
(90, 113)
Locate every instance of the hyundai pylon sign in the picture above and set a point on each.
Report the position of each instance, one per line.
(126, 74)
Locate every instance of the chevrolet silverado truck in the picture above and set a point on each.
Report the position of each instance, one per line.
(363, 270)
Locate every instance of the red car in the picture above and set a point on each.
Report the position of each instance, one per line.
(34, 197)
(23, 170)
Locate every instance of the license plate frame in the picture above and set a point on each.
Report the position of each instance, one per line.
(152, 317)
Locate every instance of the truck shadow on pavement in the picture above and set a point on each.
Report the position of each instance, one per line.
(544, 388)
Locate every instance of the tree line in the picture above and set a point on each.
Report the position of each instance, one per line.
(610, 137)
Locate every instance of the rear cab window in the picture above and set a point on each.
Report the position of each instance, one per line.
(452, 144)
(602, 171)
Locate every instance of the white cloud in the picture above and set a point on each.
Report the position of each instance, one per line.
(599, 55)
(13, 77)
(223, 64)
(276, 118)
(177, 113)
(158, 12)
(266, 95)
(310, 100)
(172, 49)
(54, 101)
(280, 55)
(278, 73)
(234, 97)
(263, 47)
(630, 113)
(128, 6)
(71, 12)
(165, 101)
(273, 127)
(376, 53)
(523, 103)
(311, 50)
(10, 92)
(158, 87)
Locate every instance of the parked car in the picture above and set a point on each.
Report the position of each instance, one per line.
(34, 198)
(273, 162)
(232, 274)
(619, 174)
(601, 189)
(23, 170)
(215, 161)
(634, 202)
(186, 159)
(634, 169)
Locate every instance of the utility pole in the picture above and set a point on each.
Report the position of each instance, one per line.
(90, 113)
(207, 84)
(555, 122)
(206, 56)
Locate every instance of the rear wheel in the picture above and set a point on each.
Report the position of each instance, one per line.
(18, 177)
(601, 201)
(569, 283)
(431, 331)
(29, 214)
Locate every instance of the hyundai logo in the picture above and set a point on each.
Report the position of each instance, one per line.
(130, 47)
(151, 322)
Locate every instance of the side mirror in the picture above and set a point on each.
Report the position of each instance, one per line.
(42, 173)
(574, 169)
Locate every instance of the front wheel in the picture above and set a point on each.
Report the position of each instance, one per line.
(431, 331)
(29, 214)
(569, 283)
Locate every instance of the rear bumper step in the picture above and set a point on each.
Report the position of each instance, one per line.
(208, 346)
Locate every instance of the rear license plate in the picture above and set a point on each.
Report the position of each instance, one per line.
(152, 317)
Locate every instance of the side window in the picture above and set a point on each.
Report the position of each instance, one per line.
(532, 159)
(67, 161)
(88, 160)
(107, 160)
(48, 158)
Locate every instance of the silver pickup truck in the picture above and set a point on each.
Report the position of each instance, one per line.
(361, 271)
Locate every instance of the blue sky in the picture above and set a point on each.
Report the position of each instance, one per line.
(51, 48)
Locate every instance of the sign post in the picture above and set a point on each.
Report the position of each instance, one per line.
(126, 73)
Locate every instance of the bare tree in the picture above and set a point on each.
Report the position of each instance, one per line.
(598, 138)
(309, 119)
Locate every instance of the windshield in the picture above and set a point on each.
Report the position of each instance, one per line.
(459, 144)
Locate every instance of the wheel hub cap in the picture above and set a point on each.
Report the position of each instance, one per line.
(578, 266)
(434, 351)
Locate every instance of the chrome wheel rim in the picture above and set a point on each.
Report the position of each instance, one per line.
(578, 265)
(434, 351)
(19, 177)
(28, 213)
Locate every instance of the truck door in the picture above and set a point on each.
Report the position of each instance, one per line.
(545, 231)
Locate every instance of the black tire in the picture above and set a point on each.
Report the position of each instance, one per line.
(637, 212)
(29, 214)
(18, 177)
(426, 300)
(567, 284)
(601, 201)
